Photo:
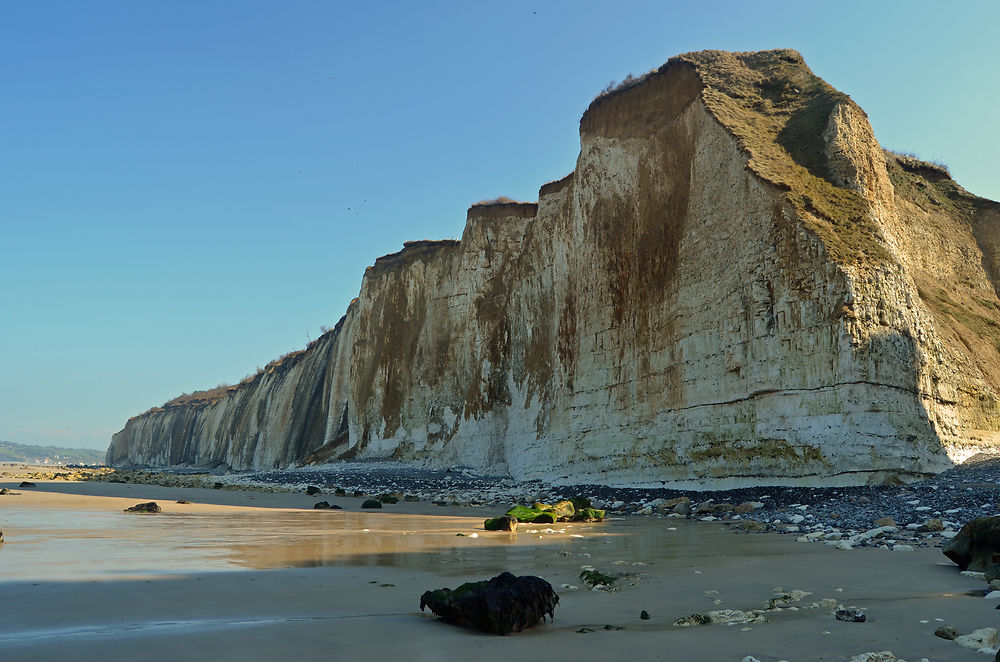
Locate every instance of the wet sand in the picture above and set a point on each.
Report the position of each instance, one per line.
(241, 575)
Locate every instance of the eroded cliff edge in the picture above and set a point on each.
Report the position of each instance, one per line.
(735, 285)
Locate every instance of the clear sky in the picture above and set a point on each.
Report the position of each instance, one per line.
(190, 189)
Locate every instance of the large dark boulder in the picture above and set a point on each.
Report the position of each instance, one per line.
(500, 605)
(976, 543)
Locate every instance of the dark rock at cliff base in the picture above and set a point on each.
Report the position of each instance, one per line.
(148, 507)
(500, 605)
(502, 523)
(312, 489)
(25, 483)
(976, 543)
(372, 503)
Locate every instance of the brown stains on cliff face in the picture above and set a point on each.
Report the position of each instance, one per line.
(640, 236)
(389, 333)
(566, 338)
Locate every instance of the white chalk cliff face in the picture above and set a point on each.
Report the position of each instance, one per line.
(736, 285)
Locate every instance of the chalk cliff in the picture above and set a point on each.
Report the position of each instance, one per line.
(736, 285)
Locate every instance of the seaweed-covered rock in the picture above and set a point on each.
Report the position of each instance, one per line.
(976, 543)
(388, 498)
(588, 515)
(148, 507)
(531, 515)
(312, 490)
(502, 523)
(372, 503)
(500, 605)
(326, 505)
(563, 510)
(581, 502)
(595, 578)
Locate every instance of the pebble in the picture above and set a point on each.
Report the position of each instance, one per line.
(946, 632)
(881, 656)
(851, 615)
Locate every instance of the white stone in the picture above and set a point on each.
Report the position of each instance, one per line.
(881, 656)
(982, 638)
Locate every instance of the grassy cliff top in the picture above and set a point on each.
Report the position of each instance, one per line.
(778, 110)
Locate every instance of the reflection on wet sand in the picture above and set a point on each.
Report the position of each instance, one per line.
(89, 543)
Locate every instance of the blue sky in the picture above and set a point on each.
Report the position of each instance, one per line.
(189, 189)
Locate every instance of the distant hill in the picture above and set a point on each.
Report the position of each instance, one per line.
(11, 452)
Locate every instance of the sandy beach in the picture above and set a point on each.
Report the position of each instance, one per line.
(245, 575)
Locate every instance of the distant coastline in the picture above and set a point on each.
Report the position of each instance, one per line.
(48, 455)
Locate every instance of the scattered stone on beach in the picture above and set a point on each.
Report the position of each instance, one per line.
(502, 523)
(976, 543)
(932, 525)
(750, 658)
(596, 579)
(885, 521)
(1, 536)
(747, 507)
(992, 571)
(981, 638)
(4, 490)
(705, 508)
(372, 503)
(183, 502)
(312, 490)
(750, 525)
(880, 656)
(683, 508)
(851, 615)
(946, 632)
(147, 507)
(734, 616)
(25, 483)
(644, 615)
(339, 491)
(500, 605)
(326, 505)
(692, 620)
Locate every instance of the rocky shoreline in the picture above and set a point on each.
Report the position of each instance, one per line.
(897, 516)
